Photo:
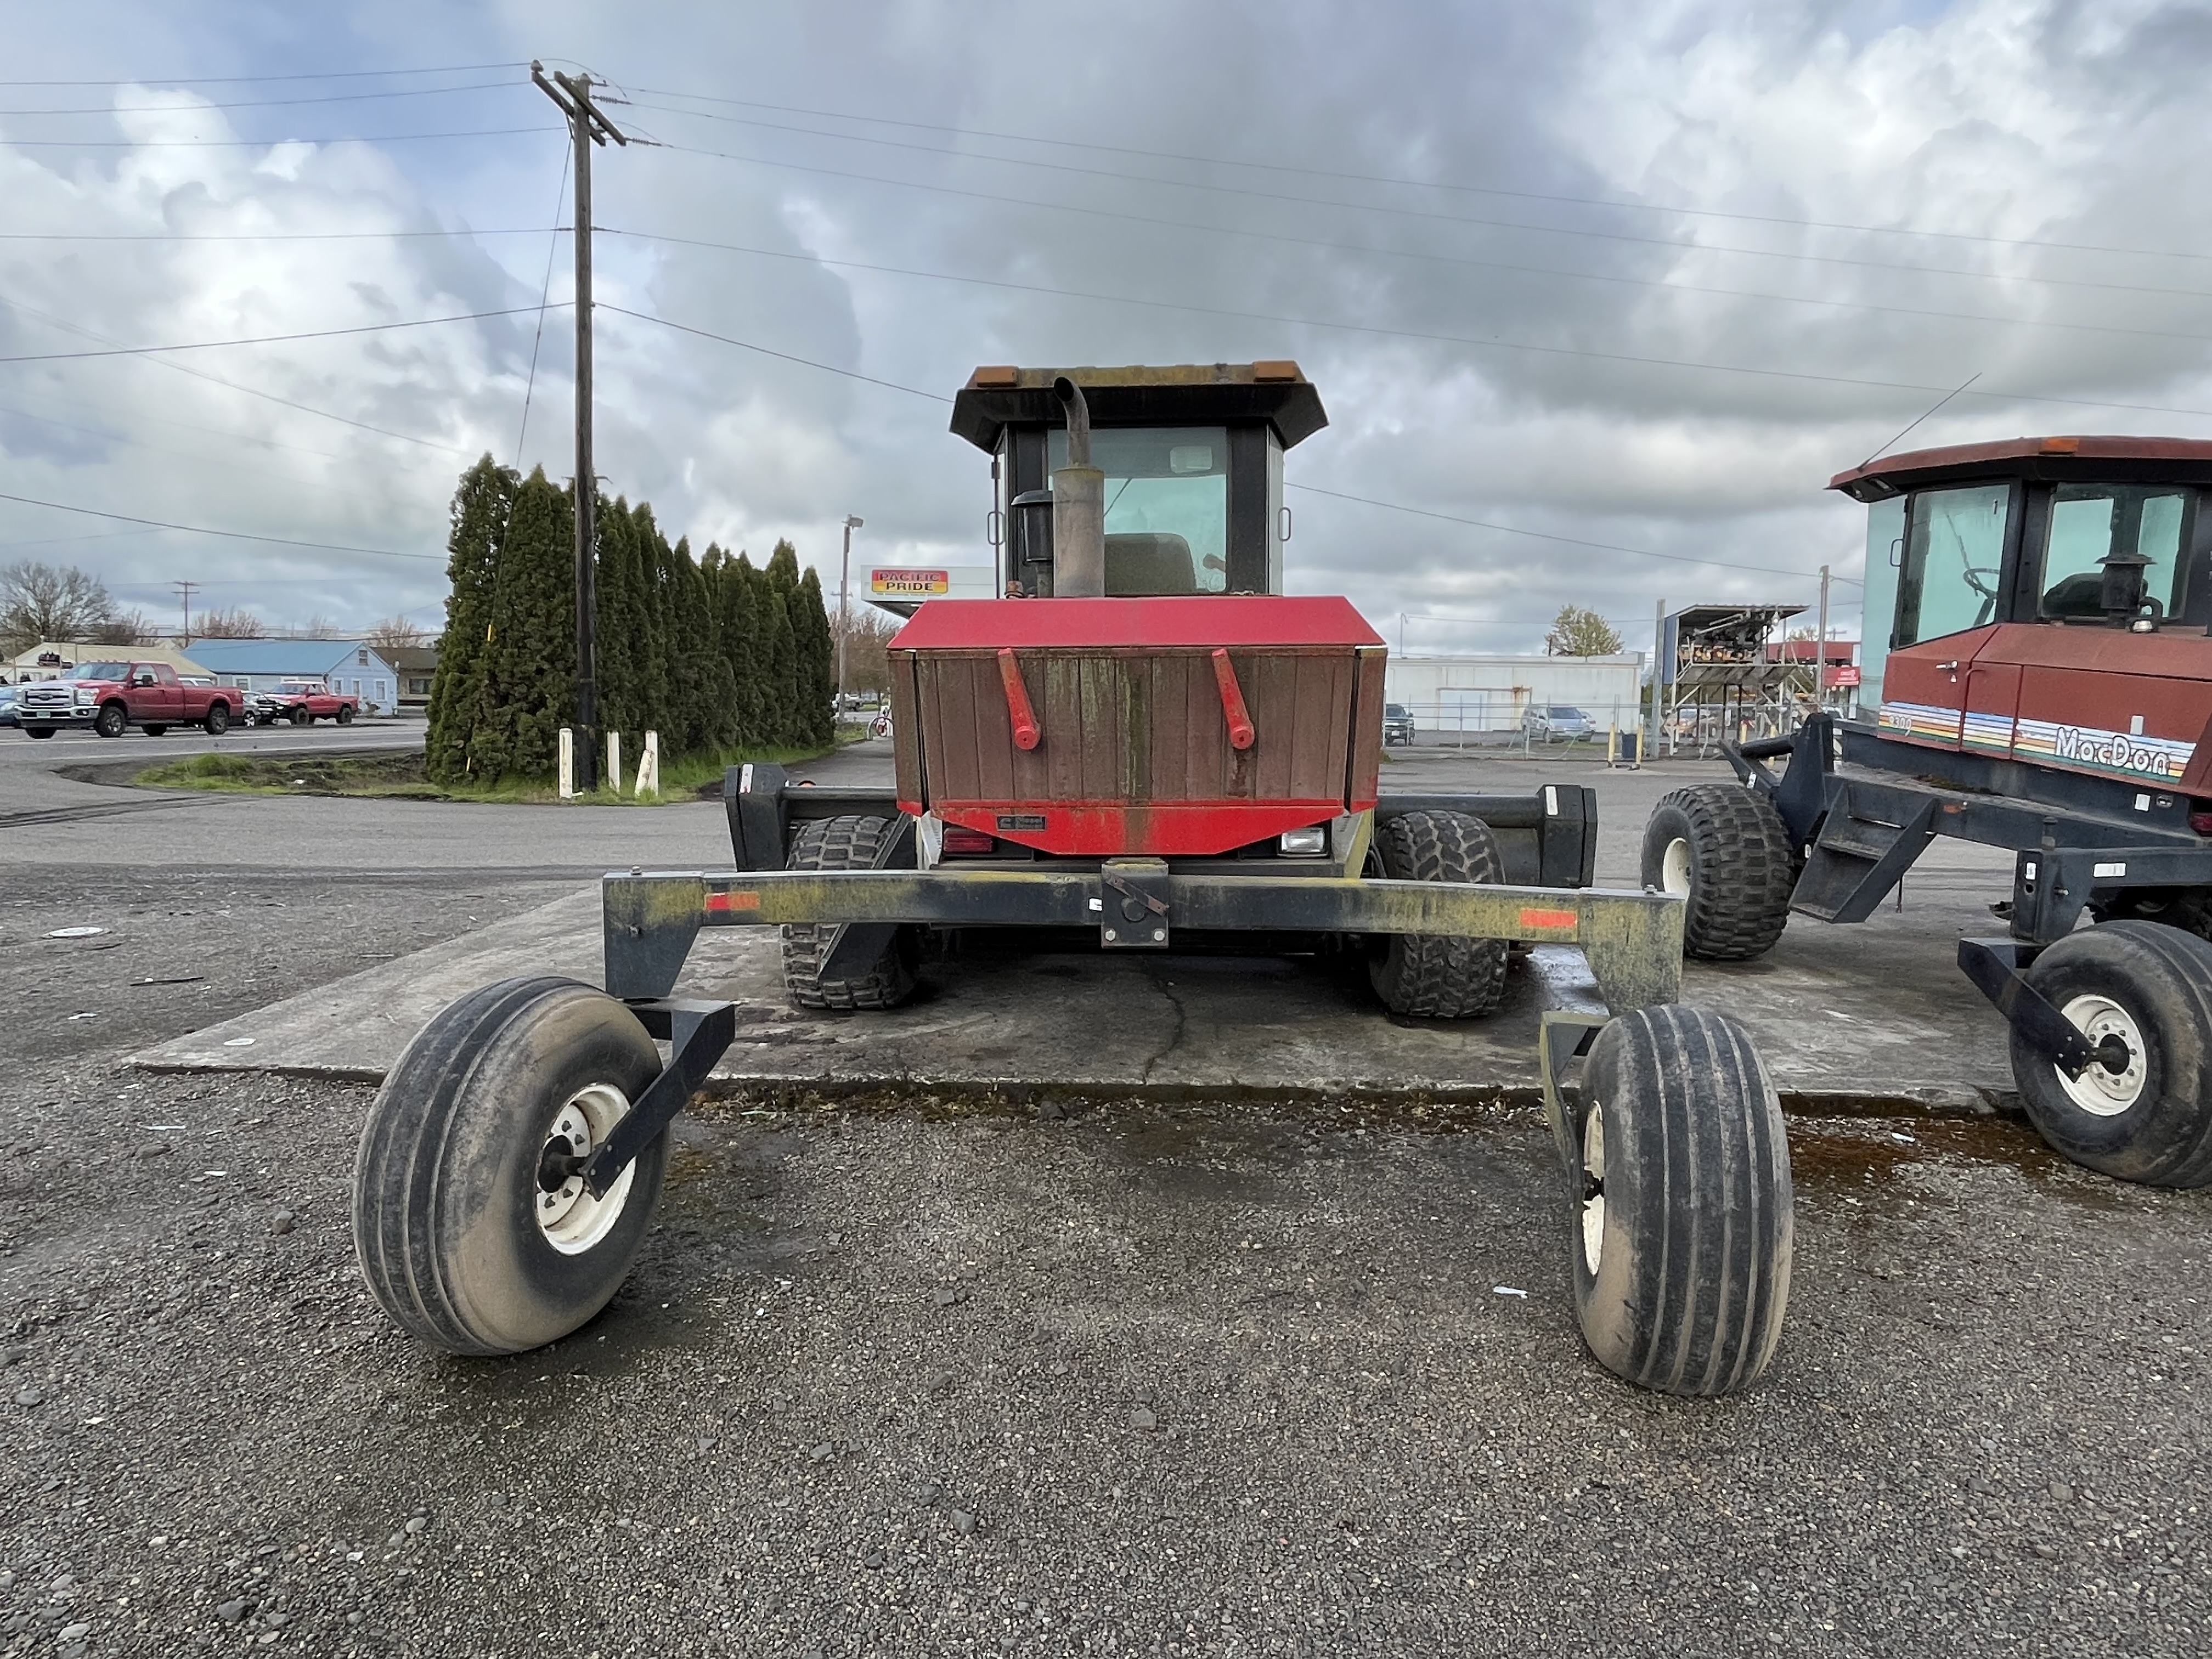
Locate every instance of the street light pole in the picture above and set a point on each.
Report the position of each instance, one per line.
(845, 608)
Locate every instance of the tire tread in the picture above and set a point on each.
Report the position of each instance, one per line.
(1743, 870)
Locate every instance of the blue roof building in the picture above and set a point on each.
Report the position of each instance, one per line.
(347, 665)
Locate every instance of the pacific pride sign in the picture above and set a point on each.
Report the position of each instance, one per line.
(910, 584)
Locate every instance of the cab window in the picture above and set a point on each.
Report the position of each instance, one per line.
(1954, 551)
(2089, 521)
(1167, 506)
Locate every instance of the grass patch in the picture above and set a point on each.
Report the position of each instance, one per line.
(404, 777)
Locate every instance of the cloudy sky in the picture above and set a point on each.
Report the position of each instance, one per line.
(1637, 275)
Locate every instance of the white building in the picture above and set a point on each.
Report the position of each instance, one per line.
(1475, 695)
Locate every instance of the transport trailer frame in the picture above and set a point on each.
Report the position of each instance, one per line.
(1632, 941)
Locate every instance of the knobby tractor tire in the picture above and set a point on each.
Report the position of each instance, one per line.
(1427, 977)
(846, 843)
(1726, 850)
(448, 1192)
(2150, 986)
(1686, 1222)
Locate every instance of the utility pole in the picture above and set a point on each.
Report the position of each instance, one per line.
(845, 608)
(1820, 651)
(572, 93)
(187, 589)
(1658, 668)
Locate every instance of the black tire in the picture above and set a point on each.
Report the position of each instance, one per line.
(1685, 1226)
(38, 730)
(218, 719)
(1732, 861)
(846, 843)
(301, 717)
(2153, 1122)
(345, 714)
(111, 720)
(155, 731)
(1427, 977)
(445, 1187)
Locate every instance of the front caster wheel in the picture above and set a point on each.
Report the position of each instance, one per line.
(1684, 1221)
(473, 1232)
(2142, 1111)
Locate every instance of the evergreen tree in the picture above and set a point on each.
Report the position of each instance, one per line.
(738, 606)
(528, 678)
(481, 504)
(817, 655)
(658, 687)
(616, 592)
(779, 655)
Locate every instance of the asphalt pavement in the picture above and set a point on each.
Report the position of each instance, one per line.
(931, 1376)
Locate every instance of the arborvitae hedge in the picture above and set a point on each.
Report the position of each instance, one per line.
(712, 654)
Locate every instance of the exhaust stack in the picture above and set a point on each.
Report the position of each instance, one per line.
(1079, 507)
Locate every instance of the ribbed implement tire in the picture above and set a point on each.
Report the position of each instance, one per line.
(1428, 976)
(2161, 977)
(446, 1180)
(1740, 868)
(847, 843)
(1695, 1221)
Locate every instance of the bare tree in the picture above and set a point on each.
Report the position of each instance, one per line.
(234, 624)
(397, 633)
(319, 627)
(867, 663)
(49, 602)
(1576, 632)
(125, 628)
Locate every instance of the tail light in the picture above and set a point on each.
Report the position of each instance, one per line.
(969, 843)
(2200, 816)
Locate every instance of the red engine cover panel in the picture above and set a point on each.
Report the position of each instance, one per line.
(1238, 620)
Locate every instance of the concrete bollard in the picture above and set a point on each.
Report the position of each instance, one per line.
(648, 767)
(568, 763)
(614, 761)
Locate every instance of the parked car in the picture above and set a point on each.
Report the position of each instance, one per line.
(1558, 723)
(111, 697)
(8, 695)
(303, 702)
(1397, 723)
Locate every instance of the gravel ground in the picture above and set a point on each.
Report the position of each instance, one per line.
(924, 1380)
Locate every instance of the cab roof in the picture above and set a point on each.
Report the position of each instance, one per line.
(2083, 459)
(1183, 394)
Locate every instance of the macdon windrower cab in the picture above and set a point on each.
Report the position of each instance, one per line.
(2040, 670)
(1147, 744)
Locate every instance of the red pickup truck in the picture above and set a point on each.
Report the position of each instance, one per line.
(113, 697)
(303, 702)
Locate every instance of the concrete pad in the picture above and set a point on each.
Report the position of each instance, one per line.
(1848, 1018)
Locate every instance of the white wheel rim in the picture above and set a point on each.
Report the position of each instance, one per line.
(1674, 868)
(2100, 1091)
(1593, 1189)
(572, 1220)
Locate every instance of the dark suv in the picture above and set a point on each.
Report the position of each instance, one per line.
(1397, 723)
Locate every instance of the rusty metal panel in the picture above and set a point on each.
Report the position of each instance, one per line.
(1363, 773)
(907, 762)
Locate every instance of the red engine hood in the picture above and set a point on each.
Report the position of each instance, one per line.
(1207, 621)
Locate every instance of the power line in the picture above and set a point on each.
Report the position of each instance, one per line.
(303, 75)
(259, 144)
(1420, 334)
(259, 235)
(216, 380)
(267, 103)
(269, 339)
(233, 535)
(769, 351)
(1571, 541)
(1674, 243)
(1423, 183)
(1487, 264)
